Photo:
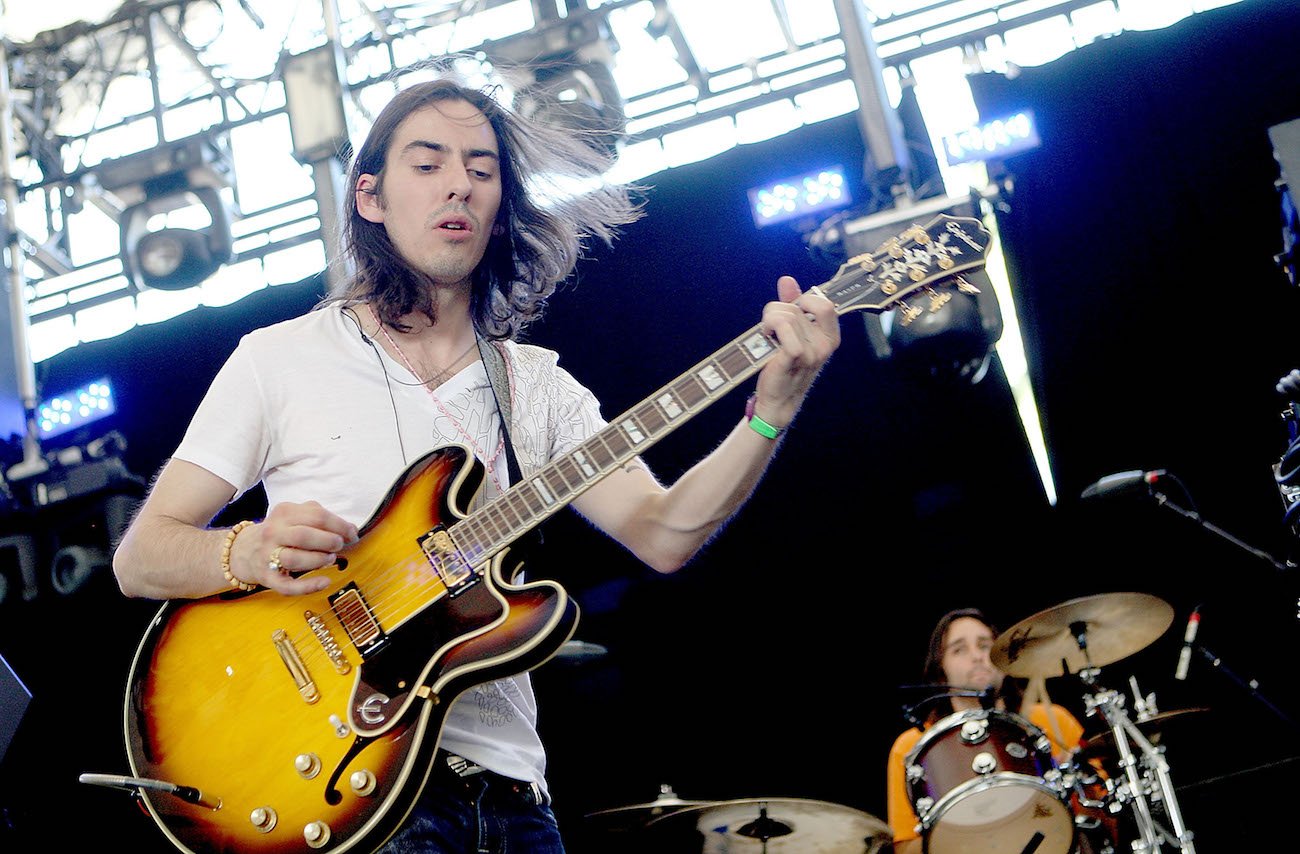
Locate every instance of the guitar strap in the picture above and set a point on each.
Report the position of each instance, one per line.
(495, 364)
(494, 361)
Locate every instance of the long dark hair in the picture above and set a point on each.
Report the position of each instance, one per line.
(544, 222)
(932, 671)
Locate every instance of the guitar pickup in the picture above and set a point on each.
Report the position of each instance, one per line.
(358, 620)
(446, 560)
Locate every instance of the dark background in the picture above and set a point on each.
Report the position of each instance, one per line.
(1140, 238)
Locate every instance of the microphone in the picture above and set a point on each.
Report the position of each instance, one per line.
(1185, 655)
(1123, 483)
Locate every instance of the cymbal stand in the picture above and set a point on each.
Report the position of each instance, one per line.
(764, 828)
(1135, 789)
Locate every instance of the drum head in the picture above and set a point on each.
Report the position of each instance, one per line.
(1001, 814)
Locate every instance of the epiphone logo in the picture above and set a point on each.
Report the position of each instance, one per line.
(954, 228)
(372, 710)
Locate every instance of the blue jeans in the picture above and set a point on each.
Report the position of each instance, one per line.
(481, 814)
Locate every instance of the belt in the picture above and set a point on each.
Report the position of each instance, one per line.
(464, 768)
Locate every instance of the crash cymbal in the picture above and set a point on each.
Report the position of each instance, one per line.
(1113, 626)
(1103, 743)
(637, 816)
(579, 651)
(783, 826)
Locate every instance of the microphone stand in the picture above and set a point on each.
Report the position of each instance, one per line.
(1250, 686)
(1163, 501)
(985, 696)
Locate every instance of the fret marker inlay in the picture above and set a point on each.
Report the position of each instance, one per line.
(758, 346)
(633, 432)
(669, 405)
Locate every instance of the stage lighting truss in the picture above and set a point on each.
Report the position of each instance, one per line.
(61, 76)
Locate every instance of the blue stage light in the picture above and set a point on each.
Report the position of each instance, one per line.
(788, 198)
(993, 139)
(69, 411)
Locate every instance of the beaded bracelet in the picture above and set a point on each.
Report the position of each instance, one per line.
(225, 558)
(758, 425)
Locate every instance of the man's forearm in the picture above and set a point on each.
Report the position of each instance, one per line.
(695, 508)
(162, 558)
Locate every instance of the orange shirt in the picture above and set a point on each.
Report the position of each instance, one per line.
(902, 817)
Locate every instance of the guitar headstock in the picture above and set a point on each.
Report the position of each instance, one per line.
(927, 259)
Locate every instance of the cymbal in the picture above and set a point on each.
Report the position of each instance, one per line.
(1113, 626)
(783, 826)
(1103, 743)
(577, 651)
(637, 816)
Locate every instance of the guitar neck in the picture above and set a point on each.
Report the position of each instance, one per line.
(917, 261)
(531, 501)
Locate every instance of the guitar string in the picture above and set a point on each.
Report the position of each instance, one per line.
(381, 603)
(382, 608)
(377, 593)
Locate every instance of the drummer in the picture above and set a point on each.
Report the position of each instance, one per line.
(958, 658)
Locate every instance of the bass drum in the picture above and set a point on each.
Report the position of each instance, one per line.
(983, 782)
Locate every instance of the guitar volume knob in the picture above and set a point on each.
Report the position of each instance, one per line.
(363, 782)
(264, 819)
(308, 765)
(316, 834)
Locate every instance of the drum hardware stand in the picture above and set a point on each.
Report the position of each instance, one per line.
(1136, 788)
(1111, 706)
(1145, 707)
(764, 828)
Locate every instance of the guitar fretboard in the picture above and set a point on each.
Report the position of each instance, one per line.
(917, 259)
(485, 532)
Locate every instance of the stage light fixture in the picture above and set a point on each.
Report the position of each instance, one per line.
(570, 79)
(581, 97)
(956, 341)
(172, 259)
(187, 173)
(993, 139)
(789, 198)
(69, 411)
(313, 96)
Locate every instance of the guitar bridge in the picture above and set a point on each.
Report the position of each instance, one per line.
(354, 614)
(446, 560)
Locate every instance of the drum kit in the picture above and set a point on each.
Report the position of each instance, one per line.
(986, 780)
